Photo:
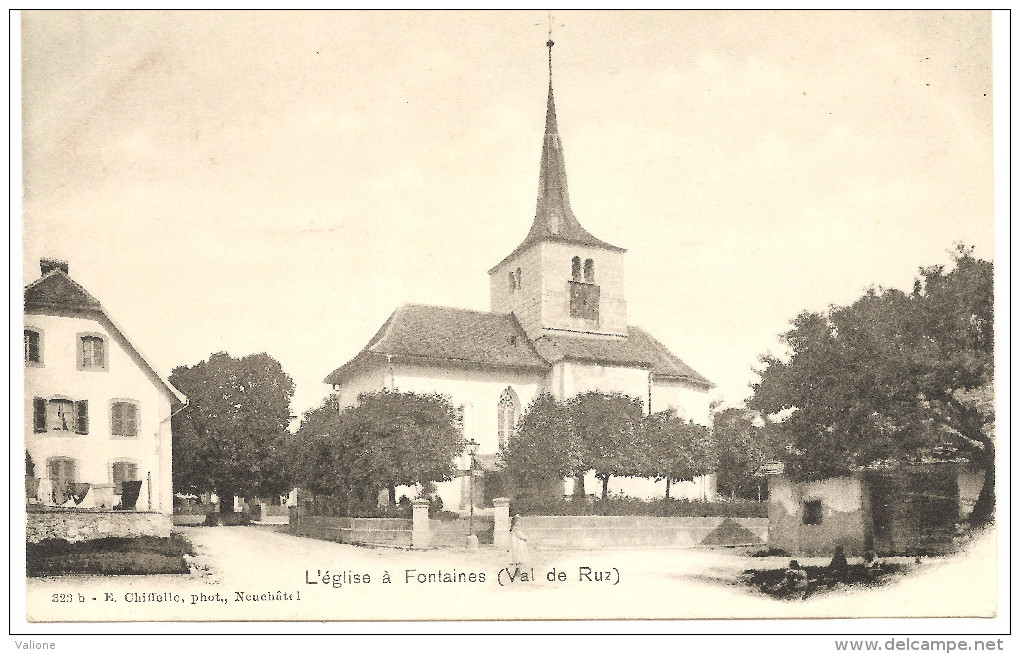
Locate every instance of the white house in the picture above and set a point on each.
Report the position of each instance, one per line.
(557, 323)
(96, 411)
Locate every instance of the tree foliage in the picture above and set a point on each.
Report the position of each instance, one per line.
(673, 449)
(741, 449)
(604, 433)
(226, 439)
(894, 377)
(607, 428)
(543, 448)
(388, 439)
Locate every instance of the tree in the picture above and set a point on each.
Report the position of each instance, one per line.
(542, 449)
(388, 439)
(894, 377)
(741, 449)
(226, 438)
(674, 449)
(607, 430)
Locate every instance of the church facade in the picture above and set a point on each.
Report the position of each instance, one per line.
(557, 323)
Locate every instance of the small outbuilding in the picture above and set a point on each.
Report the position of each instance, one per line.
(908, 510)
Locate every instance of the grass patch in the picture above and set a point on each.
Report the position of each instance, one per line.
(144, 555)
(782, 584)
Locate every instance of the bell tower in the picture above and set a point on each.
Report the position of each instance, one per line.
(560, 278)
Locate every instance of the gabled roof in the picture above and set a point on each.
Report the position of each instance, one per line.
(639, 350)
(55, 293)
(447, 336)
(554, 220)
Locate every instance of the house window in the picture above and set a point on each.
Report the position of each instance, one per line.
(813, 512)
(122, 471)
(507, 416)
(61, 470)
(575, 269)
(33, 346)
(60, 415)
(589, 271)
(91, 352)
(124, 418)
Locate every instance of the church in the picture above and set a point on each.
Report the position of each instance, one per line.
(557, 323)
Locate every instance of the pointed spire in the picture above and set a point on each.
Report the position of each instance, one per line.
(553, 218)
(553, 208)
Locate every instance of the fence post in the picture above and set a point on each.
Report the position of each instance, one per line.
(501, 526)
(421, 537)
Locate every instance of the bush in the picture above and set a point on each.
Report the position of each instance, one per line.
(109, 556)
(631, 506)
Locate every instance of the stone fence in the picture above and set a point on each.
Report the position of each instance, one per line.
(542, 532)
(75, 525)
(600, 531)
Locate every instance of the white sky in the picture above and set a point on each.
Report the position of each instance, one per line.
(281, 182)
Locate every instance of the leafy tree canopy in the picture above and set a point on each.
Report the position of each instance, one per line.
(895, 377)
(388, 439)
(226, 438)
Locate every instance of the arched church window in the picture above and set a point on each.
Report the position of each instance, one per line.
(507, 415)
(589, 270)
(575, 269)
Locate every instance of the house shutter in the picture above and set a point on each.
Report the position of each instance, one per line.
(81, 417)
(117, 426)
(38, 415)
(131, 419)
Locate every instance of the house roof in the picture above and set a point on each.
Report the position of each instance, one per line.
(451, 336)
(554, 220)
(447, 336)
(640, 349)
(55, 293)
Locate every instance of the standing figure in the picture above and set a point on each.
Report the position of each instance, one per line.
(520, 555)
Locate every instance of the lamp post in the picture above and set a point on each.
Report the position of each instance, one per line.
(472, 540)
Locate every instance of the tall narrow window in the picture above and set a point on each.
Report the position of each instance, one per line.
(589, 270)
(517, 278)
(33, 346)
(513, 282)
(575, 269)
(124, 419)
(123, 471)
(91, 352)
(507, 416)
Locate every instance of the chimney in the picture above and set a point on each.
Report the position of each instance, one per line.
(46, 265)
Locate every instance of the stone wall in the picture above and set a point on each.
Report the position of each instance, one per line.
(80, 525)
(395, 532)
(597, 532)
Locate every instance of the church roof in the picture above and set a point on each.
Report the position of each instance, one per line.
(554, 220)
(448, 336)
(55, 293)
(640, 350)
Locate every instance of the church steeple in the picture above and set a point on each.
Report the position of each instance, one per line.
(553, 208)
(554, 220)
(560, 278)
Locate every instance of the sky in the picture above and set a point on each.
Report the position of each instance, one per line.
(281, 182)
